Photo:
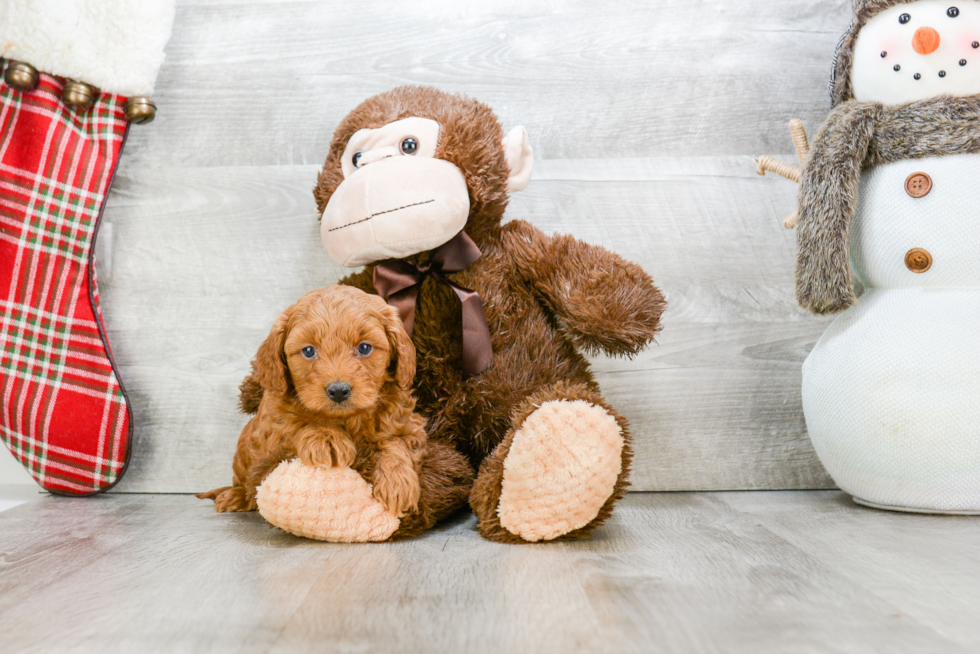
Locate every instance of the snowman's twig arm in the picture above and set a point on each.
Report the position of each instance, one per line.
(827, 201)
(765, 164)
(789, 222)
(800, 140)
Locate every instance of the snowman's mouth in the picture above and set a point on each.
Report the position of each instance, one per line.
(917, 75)
(940, 73)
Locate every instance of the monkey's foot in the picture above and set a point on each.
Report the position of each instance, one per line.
(330, 504)
(561, 469)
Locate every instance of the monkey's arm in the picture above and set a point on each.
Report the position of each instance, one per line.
(608, 304)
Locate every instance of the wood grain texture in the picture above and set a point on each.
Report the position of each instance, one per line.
(645, 118)
(687, 573)
(265, 82)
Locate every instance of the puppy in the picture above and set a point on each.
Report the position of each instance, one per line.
(336, 373)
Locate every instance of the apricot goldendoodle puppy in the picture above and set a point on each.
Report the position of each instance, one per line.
(337, 371)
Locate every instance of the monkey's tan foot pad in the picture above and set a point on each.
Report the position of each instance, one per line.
(330, 504)
(561, 468)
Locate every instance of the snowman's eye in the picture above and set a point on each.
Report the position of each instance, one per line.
(904, 18)
(952, 12)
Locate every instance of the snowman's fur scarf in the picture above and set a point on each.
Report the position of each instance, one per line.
(855, 136)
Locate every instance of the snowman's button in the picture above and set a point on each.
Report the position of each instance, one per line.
(918, 185)
(918, 260)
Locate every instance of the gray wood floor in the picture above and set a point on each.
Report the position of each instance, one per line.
(645, 117)
(690, 573)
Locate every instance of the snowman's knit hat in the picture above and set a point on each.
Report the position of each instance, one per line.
(840, 78)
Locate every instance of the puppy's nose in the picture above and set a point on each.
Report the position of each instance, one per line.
(338, 391)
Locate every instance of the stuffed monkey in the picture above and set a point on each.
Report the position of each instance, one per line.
(414, 188)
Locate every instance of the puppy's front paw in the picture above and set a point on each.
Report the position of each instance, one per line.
(398, 490)
(328, 452)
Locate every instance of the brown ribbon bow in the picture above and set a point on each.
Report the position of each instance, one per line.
(398, 282)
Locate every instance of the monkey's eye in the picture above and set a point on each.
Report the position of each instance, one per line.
(356, 158)
(904, 18)
(410, 145)
(952, 12)
(308, 352)
(365, 349)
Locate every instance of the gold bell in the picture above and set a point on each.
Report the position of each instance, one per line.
(21, 76)
(140, 110)
(77, 95)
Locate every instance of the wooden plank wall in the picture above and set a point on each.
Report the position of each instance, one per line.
(645, 118)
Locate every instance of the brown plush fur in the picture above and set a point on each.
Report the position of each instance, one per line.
(445, 479)
(855, 136)
(545, 299)
(376, 430)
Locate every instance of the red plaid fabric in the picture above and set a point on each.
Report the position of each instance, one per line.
(64, 413)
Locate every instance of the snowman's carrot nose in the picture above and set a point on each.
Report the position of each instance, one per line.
(926, 40)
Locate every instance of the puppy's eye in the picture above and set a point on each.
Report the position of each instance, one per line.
(904, 18)
(356, 158)
(365, 349)
(308, 352)
(952, 12)
(410, 145)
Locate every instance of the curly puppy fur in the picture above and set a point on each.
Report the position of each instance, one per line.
(855, 136)
(375, 430)
(545, 298)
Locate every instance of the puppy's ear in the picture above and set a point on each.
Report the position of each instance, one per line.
(402, 366)
(269, 365)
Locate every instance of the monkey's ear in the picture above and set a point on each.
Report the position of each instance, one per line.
(520, 159)
(402, 356)
(269, 365)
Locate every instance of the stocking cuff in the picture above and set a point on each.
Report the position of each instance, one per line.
(114, 45)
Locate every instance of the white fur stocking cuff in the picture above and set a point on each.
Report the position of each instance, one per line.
(114, 45)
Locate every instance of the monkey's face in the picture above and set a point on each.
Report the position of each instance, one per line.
(397, 198)
(406, 187)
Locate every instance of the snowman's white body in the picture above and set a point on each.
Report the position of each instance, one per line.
(891, 392)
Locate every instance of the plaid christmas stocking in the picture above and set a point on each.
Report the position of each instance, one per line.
(65, 415)
(64, 412)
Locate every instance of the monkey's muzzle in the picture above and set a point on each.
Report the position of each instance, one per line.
(394, 208)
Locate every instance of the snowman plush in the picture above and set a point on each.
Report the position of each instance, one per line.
(890, 194)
